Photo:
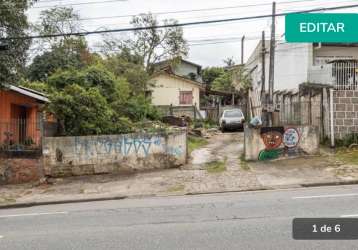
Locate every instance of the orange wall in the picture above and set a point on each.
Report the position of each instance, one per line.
(9, 97)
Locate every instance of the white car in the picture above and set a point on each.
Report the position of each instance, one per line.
(232, 119)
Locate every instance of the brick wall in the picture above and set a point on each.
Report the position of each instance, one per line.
(20, 170)
(345, 112)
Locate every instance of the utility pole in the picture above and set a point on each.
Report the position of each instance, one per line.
(263, 72)
(242, 49)
(272, 64)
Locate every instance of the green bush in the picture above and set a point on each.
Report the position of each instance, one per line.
(347, 140)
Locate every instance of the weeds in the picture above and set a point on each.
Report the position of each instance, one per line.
(216, 166)
(195, 143)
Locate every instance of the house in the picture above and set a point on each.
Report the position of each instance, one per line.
(20, 116)
(319, 67)
(181, 67)
(296, 63)
(177, 85)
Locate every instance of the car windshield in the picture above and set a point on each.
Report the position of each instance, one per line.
(233, 113)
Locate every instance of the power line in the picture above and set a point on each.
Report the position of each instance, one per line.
(195, 10)
(77, 4)
(85, 33)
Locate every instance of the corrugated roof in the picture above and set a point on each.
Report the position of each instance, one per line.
(29, 92)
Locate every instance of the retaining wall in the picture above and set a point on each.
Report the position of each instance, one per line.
(20, 170)
(68, 156)
(269, 143)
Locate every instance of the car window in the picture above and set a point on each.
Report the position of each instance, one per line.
(233, 113)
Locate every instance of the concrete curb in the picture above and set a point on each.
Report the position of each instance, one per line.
(43, 203)
(332, 183)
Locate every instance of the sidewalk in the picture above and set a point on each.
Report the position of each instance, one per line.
(214, 168)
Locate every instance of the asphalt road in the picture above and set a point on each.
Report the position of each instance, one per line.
(250, 220)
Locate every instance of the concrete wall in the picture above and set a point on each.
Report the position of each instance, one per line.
(345, 112)
(272, 143)
(287, 57)
(67, 156)
(167, 89)
(20, 170)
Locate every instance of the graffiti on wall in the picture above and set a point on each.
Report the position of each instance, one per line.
(122, 145)
(278, 141)
(291, 137)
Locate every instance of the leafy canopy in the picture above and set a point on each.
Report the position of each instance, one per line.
(73, 102)
(13, 23)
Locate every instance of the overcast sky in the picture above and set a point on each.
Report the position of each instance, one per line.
(210, 43)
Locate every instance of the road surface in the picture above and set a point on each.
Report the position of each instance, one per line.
(250, 220)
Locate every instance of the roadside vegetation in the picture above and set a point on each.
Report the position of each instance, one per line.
(243, 163)
(347, 156)
(176, 188)
(195, 143)
(91, 92)
(216, 166)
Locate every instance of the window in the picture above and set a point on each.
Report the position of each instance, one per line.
(186, 98)
(233, 113)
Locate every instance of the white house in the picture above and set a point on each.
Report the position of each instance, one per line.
(321, 66)
(296, 63)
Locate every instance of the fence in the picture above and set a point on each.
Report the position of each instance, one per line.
(300, 113)
(309, 106)
(20, 134)
(214, 113)
(345, 75)
(24, 134)
(179, 111)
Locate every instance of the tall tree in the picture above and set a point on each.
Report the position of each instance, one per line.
(72, 53)
(152, 44)
(57, 20)
(13, 23)
(63, 52)
(124, 64)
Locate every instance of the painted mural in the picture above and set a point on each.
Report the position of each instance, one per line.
(279, 142)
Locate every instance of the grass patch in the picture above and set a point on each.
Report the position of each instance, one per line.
(347, 156)
(176, 188)
(216, 166)
(243, 163)
(6, 200)
(195, 143)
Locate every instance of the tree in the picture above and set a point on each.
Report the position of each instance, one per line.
(218, 78)
(153, 44)
(72, 53)
(113, 89)
(64, 52)
(229, 62)
(82, 111)
(211, 73)
(13, 23)
(57, 20)
(73, 94)
(241, 79)
(223, 82)
(130, 67)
